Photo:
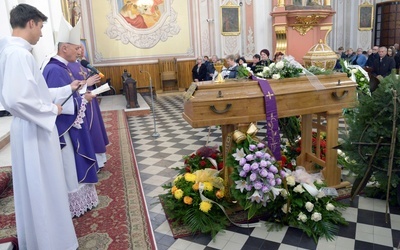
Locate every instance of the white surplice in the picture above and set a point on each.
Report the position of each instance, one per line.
(40, 192)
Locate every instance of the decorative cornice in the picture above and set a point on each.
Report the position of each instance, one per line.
(304, 23)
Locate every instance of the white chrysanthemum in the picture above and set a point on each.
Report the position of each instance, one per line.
(299, 189)
(302, 217)
(309, 206)
(316, 216)
(280, 65)
(330, 207)
(266, 69)
(291, 181)
(276, 76)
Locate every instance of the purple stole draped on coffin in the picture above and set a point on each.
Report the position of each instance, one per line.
(57, 75)
(271, 113)
(93, 113)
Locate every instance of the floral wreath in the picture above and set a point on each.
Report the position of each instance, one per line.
(256, 176)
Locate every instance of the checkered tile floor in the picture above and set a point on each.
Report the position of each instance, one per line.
(158, 156)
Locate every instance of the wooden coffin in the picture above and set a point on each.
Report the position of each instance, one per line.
(241, 101)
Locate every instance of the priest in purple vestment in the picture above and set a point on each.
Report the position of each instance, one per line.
(95, 120)
(78, 153)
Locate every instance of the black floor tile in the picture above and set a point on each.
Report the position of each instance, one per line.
(348, 231)
(361, 245)
(293, 236)
(253, 243)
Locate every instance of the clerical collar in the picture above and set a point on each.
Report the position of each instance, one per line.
(61, 59)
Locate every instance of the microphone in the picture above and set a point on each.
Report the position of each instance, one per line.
(87, 65)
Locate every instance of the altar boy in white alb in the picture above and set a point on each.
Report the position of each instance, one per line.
(40, 192)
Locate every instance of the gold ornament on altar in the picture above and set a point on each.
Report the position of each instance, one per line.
(320, 55)
(218, 67)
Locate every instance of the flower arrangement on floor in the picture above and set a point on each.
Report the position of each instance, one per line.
(307, 204)
(205, 157)
(256, 176)
(280, 70)
(292, 151)
(192, 201)
(243, 71)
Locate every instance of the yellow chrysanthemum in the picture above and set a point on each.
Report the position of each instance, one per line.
(187, 200)
(177, 178)
(208, 186)
(205, 206)
(220, 194)
(190, 177)
(173, 189)
(196, 186)
(178, 194)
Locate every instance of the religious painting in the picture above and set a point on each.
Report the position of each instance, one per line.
(84, 49)
(365, 16)
(143, 23)
(230, 20)
(141, 14)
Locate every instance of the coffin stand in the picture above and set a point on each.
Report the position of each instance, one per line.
(242, 101)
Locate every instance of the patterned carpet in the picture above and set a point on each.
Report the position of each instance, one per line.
(121, 220)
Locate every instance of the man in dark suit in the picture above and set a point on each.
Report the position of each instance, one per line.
(372, 57)
(383, 66)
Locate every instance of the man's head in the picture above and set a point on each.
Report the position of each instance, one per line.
(68, 40)
(382, 52)
(396, 46)
(349, 51)
(230, 60)
(27, 22)
(359, 51)
(214, 58)
(369, 51)
(375, 49)
(69, 51)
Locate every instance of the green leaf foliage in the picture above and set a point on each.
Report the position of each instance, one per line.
(370, 120)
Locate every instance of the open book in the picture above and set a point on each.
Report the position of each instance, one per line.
(103, 88)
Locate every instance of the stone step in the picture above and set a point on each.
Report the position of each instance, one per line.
(5, 123)
(4, 140)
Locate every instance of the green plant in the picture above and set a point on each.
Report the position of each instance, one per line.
(371, 120)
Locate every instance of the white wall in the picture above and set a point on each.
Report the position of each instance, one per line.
(51, 8)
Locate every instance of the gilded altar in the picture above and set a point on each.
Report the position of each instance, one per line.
(242, 101)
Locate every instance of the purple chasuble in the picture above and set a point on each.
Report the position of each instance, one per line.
(271, 113)
(57, 74)
(93, 113)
